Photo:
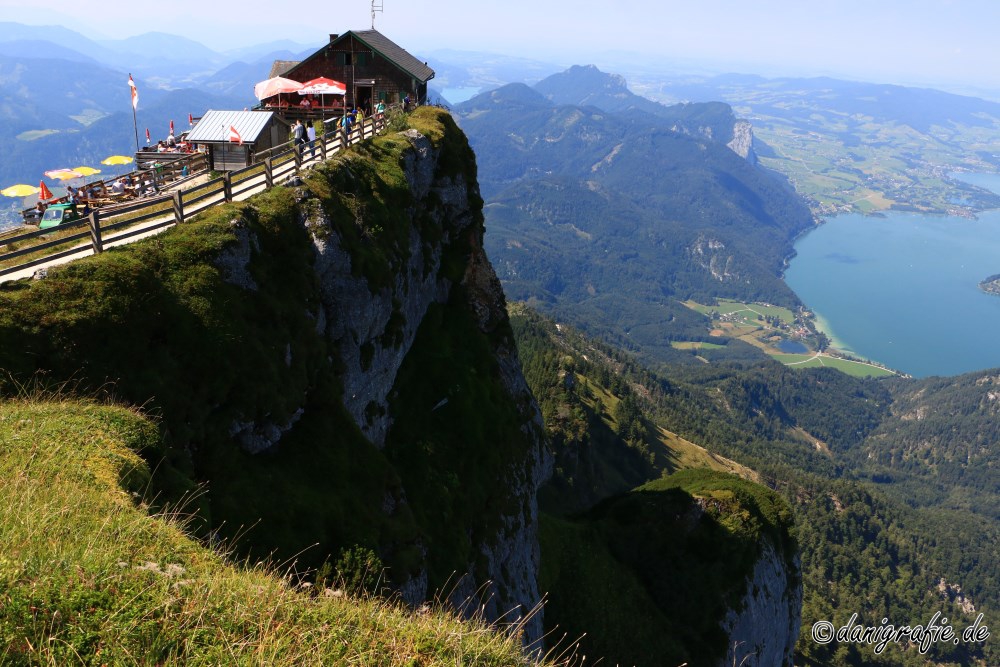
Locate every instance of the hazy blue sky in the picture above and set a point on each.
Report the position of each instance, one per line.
(909, 41)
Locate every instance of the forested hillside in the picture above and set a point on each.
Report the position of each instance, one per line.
(610, 218)
(806, 434)
(938, 445)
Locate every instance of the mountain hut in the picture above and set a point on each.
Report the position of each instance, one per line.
(371, 66)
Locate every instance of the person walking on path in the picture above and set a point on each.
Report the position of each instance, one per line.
(345, 126)
(311, 138)
(299, 134)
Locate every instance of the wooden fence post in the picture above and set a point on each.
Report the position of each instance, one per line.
(268, 172)
(227, 187)
(94, 220)
(322, 147)
(178, 207)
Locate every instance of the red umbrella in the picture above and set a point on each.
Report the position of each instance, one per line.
(43, 192)
(322, 86)
(275, 86)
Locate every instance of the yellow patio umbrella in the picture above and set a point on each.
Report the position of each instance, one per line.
(63, 174)
(117, 159)
(19, 190)
(86, 171)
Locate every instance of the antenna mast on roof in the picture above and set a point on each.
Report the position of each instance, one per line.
(376, 8)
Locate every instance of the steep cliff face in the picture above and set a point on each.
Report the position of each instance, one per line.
(742, 141)
(764, 626)
(376, 333)
(332, 364)
(374, 329)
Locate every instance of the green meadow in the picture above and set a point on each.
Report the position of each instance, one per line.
(855, 368)
(749, 310)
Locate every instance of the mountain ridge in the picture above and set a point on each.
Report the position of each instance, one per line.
(568, 190)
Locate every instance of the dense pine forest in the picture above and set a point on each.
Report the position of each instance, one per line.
(867, 546)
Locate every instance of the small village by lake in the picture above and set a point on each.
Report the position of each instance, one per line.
(904, 288)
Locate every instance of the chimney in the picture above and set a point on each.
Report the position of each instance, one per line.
(333, 37)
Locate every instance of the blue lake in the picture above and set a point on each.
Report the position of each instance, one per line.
(903, 289)
(792, 347)
(989, 182)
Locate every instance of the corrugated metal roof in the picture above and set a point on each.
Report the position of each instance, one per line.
(281, 67)
(214, 125)
(395, 53)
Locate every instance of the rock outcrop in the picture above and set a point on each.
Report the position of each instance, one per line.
(742, 141)
(764, 627)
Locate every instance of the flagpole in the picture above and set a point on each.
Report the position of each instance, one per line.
(135, 124)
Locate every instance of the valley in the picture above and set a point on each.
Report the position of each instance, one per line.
(829, 430)
(780, 334)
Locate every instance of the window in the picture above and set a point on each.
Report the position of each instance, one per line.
(360, 58)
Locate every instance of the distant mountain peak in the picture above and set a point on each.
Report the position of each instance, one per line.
(587, 85)
(583, 85)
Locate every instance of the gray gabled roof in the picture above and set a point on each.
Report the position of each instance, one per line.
(280, 67)
(393, 52)
(214, 126)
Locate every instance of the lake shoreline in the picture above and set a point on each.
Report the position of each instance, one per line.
(903, 289)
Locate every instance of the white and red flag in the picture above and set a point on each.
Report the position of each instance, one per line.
(147, 135)
(171, 126)
(191, 120)
(135, 92)
(234, 135)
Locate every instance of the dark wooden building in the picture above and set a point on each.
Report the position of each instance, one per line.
(371, 66)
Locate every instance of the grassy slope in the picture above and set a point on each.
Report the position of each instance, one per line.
(88, 577)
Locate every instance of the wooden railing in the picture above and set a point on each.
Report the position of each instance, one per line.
(161, 176)
(119, 224)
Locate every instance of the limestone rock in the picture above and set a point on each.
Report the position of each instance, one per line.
(765, 626)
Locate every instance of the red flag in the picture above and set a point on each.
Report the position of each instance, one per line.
(234, 135)
(135, 93)
(171, 127)
(44, 192)
(190, 120)
(147, 135)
